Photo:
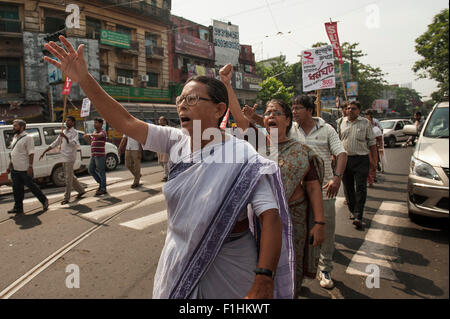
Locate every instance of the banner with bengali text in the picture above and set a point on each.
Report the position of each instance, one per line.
(318, 69)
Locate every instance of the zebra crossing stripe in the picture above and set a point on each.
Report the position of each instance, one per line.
(381, 243)
(146, 221)
(108, 211)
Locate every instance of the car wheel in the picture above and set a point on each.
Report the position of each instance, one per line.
(58, 176)
(111, 162)
(391, 142)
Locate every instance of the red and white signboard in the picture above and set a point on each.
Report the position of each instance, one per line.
(67, 86)
(331, 28)
(318, 69)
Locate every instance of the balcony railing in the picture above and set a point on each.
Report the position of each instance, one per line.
(140, 7)
(154, 51)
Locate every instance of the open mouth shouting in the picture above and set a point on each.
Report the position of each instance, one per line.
(184, 120)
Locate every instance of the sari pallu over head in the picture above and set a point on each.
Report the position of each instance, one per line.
(205, 196)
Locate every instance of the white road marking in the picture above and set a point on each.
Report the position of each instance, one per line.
(380, 245)
(108, 211)
(146, 221)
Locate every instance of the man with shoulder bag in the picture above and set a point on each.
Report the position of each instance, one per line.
(21, 168)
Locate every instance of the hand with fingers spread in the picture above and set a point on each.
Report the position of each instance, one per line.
(71, 62)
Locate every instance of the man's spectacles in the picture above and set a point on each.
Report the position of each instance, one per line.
(190, 99)
(274, 113)
(352, 108)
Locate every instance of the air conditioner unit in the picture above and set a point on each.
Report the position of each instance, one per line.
(106, 78)
(129, 81)
(143, 78)
(121, 79)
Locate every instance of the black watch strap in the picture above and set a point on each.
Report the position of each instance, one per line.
(265, 272)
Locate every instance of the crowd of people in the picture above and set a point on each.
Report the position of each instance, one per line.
(253, 227)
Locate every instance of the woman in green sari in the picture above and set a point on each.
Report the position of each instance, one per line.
(301, 173)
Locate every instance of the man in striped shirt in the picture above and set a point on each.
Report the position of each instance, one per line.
(98, 160)
(359, 141)
(324, 141)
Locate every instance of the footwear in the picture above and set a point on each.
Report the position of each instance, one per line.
(15, 211)
(81, 194)
(351, 216)
(65, 201)
(134, 185)
(325, 280)
(45, 206)
(164, 179)
(100, 192)
(358, 224)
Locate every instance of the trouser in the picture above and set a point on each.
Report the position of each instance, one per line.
(355, 183)
(166, 169)
(97, 171)
(327, 247)
(21, 179)
(71, 180)
(133, 163)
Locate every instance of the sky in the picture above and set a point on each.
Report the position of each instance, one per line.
(385, 30)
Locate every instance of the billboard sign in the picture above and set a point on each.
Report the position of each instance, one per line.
(352, 88)
(187, 44)
(226, 43)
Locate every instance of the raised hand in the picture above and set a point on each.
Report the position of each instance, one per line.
(71, 62)
(226, 73)
(249, 112)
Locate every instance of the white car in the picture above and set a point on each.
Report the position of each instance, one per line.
(393, 131)
(50, 167)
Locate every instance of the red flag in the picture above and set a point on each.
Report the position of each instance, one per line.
(223, 125)
(67, 86)
(331, 28)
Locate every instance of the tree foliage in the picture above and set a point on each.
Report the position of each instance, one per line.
(433, 47)
(271, 88)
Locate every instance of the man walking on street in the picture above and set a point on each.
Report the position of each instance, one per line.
(163, 158)
(359, 141)
(21, 168)
(97, 166)
(133, 157)
(68, 139)
(324, 141)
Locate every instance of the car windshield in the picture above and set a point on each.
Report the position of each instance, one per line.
(387, 124)
(437, 126)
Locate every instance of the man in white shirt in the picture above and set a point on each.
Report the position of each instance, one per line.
(325, 142)
(133, 157)
(21, 168)
(69, 146)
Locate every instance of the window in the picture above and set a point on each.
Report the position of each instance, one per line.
(54, 21)
(51, 134)
(123, 30)
(125, 73)
(151, 39)
(399, 126)
(152, 79)
(82, 140)
(11, 75)
(9, 18)
(93, 27)
(33, 132)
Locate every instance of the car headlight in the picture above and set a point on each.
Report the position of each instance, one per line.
(422, 169)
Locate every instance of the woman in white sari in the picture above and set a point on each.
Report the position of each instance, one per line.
(218, 188)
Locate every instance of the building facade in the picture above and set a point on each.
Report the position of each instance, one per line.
(126, 47)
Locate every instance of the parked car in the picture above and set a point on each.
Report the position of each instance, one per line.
(50, 167)
(393, 131)
(428, 180)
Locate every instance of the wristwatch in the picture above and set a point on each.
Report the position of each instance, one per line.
(265, 272)
(338, 175)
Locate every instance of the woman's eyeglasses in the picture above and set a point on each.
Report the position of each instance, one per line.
(190, 99)
(274, 113)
